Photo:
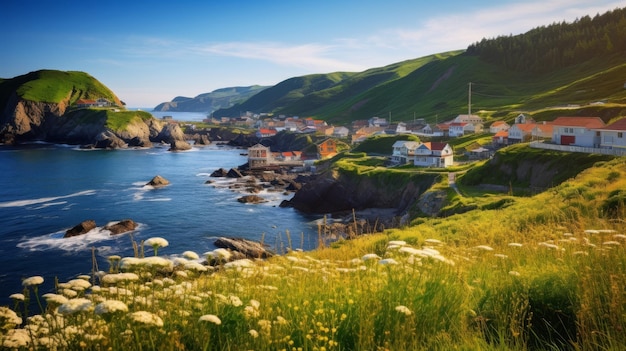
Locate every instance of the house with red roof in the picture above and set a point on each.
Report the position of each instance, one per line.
(501, 137)
(266, 132)
(498, 126)
(434, 154)
(613, 135)
(579, 131)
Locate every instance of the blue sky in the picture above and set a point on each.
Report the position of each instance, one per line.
(149, 52)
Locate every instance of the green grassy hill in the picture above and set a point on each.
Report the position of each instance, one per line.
(54, 86)
(209, 102)
(436, 87)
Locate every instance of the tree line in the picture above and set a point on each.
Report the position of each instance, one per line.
(557, 45)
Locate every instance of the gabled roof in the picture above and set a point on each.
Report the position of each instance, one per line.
(499, 123)
(620, 125)
(585, 122)
(85, 102)
(437, 146)
(501, 134)
(458, 124)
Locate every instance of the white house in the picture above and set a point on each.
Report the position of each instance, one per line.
(341, 132)
(579, 131)
(433, 154)
(404, 151)
(613, 135)
(458, 129)
(378, 122)
(471, 119)
(498, 126)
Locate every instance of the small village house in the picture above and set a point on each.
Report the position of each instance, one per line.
(434, 154)
(404, 152)
(259, 156)
(498, 126)
(341, 132)
(613, 135)
(501, 138)
(579, 131)
(326, 148)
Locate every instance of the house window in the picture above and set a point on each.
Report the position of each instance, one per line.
(619, 134)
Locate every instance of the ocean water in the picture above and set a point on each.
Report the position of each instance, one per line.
(47, 189)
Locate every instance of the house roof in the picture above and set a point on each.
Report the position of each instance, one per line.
(620, 124)
(585, 122)
(437, 146)
(501, 134)
(85, 102)
(458, 124)
(499, 123)
(267, 131)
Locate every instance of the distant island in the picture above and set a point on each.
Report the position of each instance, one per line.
(209, 102)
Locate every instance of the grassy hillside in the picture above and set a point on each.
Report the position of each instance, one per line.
(54, 86)
(543, 272)
(437, 87)
(209, 102)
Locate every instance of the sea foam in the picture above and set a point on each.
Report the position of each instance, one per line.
(23, 203)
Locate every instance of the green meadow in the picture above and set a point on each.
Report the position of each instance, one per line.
(533, 272)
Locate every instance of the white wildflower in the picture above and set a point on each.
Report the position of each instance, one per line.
(370, 256)
(110, 306)
(119, 277)
(611, 243)
(8, 318)
(55, 298)
(501, 256)
(79, 284)
(210, 318)
(156, 242)
(190, 255)
(244, 263)
(195, 266)
(234, 301)
(17, 296)
(549, 245)
(146, 319)
(32, 281)
(16, 339)
(619, 236)
(253, 333)
(433, 242)
(514, 273)
(75, 305)
(397, 243)
(592, 231)
(515, 245)
(404, 310)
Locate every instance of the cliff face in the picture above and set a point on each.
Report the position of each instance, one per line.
(334, 191)
(24, 120)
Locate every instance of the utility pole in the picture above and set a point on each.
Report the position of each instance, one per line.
(469, 100)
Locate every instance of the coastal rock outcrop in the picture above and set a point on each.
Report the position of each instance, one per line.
(249, 249)
(121, 227)
(251, 199)
(158, 181)
(80, 229)
(179, 145)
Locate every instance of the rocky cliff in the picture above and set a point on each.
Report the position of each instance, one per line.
(41, 106)
(337, 191)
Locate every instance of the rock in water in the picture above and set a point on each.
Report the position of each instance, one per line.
(179, 145)
(251, 199)
(249, 248)
(80, 229)
(123, 226)
(158, 181)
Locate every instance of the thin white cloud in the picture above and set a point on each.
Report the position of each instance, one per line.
(312, 57)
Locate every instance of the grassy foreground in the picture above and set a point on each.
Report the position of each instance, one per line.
(546, 272)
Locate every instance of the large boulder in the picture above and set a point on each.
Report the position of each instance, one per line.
(170, 133)
(123, 226)
(219, 173)
(251, 199)
(108, 140)
(179, 145)
(234, 173)
(81, 228)
(250, 249)
(158, 181)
